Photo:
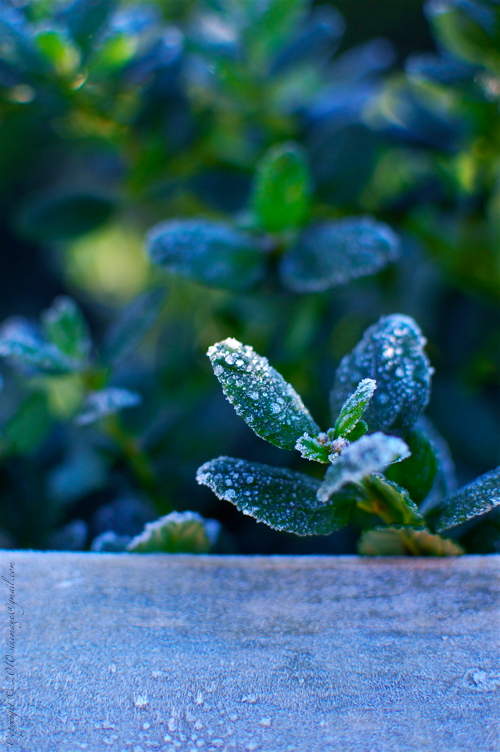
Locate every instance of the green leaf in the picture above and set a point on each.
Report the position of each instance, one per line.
(208, 252)
(391, 352)
(65, 327)
(23, 345)
(401, 541)
(177, 532)
(467, 29)
(316, 448)
(64, 217)
(58, 49)
(354, 408)
(282, 499)
(106, 402)
(28, 427)
(417, 472)
(260, 395)
(281, 192)
(474, 499)
(396, 501)
(369, 454)
(132, 324)
(330, 254)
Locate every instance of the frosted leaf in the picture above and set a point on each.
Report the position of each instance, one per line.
(369, 454)
(281, 192)
(396, 500)
(391, 352)
(321, 448)
(470, 501)
(131, 325)
(389, 542)
(265, 401)
(208, 252)
(283, 499)
(65, 327)
(177, 532)
(106, 402)
(329, 254)
(22, 343)
(354, 407)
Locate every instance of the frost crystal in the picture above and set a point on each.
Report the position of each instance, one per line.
(260, 395)
(367, 455)
(391, 352)
(283, 499)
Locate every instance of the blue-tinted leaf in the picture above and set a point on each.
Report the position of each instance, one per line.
(440, 70)
(110, 542)
(317, 39)
(131, 325)
(177, 532)
(22, 344)
(282, 499)
(333, 253)
(391, 352)
(71, 537)
(354, 408)
(401, 541)
(265, 401)
(281, 192)
(474, 499)
(208, 252)
(66, 328)
(106, 402)
(367, 455)
(64, 217)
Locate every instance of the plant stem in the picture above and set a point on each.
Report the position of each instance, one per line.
(138, 462)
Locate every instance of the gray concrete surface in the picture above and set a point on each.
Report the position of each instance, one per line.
(250, 654)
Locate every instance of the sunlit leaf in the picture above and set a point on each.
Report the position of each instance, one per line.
(177, 532)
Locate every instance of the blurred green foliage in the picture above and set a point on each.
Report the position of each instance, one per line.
(251, 145)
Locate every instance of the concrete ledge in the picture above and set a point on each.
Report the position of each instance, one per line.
(251, 654)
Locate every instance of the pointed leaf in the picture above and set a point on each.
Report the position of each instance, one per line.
(86, 17)
(333, 253)
(316, 448)
(282, 499)
(66, 328)
(131, 325)
(391, 352)
(474, 499)
(396, 501)
(388, 541)
(281, 193)
(354, 407)
(106, 402)
(369, 454)
(265, 401)
(177, 532)
(208, 252)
